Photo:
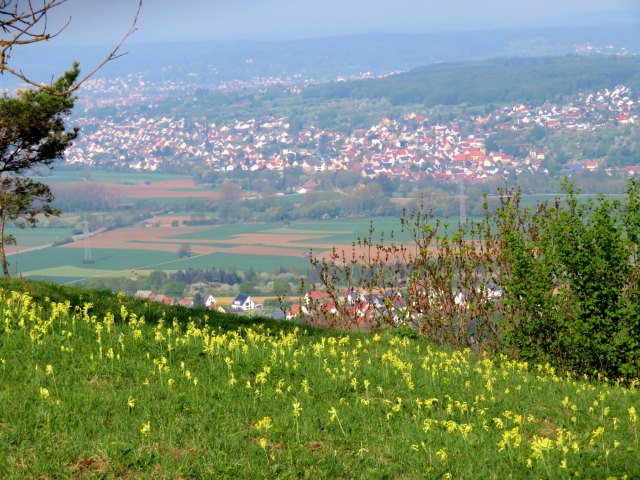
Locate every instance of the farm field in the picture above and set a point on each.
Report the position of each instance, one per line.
(102, 176)
(100, 392)
(33, 237)
(261, 246)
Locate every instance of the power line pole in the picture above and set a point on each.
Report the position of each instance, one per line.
(463, 203)
(87, 241)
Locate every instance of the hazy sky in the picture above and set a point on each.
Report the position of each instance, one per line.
(100, 21)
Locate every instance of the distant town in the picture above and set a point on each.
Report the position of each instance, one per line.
(412, 147)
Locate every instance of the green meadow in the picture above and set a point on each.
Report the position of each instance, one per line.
(33, 237)
(96, 385)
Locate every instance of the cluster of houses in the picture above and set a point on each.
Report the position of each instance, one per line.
(411, 148)
(591, 111)
(356, 309)
(241, 303)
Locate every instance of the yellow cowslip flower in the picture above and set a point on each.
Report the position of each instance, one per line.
(305, 385)
(297, 408)
(539, 445)
(123, 313)
(44, 393)
(633, 417)
(131, 402)
(429, 402)
(597, 433)
(48, 370)
(332, 414)
(465, 429)
(262, 441)
(261, 378)
(264, 424)
(109, 321)
(229, 362)
(146, 429)
(354, 383)
(442, 454)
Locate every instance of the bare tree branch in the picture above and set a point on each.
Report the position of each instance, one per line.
(113, 54)
(29, 25)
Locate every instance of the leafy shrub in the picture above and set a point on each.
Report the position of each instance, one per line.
(558, 283)
(571, 278)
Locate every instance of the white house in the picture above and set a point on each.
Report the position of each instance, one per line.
(243, 302)
(208, 300)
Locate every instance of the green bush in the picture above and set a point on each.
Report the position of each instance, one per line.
(571, 278)
(555, 284)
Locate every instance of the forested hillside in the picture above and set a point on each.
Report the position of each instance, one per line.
(528, 80)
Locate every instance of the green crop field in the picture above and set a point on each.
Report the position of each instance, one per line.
(243, 262)
(54, 263)
(340, 231)
(59, 263)
(65, 176)
(118, 388)
(32, 237)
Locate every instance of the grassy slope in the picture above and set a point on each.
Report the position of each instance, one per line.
(368, 406)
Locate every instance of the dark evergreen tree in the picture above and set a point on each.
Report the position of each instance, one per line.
(32, 136)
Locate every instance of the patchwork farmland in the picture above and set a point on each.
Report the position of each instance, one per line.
(261, 246)
(154, 244)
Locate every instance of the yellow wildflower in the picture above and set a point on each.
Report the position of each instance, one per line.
(297, 408)
(442, 454)
(44, 393)
(146, 429)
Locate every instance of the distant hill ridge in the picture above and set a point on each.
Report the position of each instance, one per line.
(328, 57)
(524, 79)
